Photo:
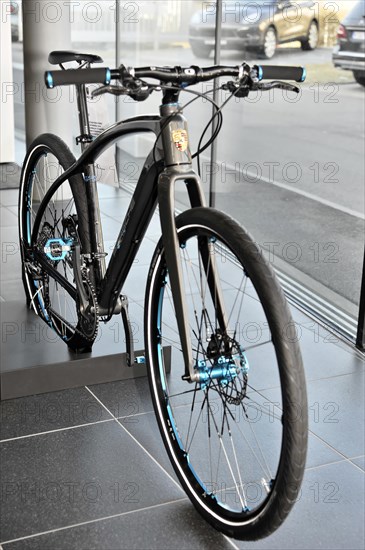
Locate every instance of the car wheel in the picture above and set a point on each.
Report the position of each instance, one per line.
(201, 50)
(359, 77)
(311, 42)
(268, 49)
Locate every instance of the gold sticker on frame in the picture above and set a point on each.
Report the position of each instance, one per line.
(180, 139)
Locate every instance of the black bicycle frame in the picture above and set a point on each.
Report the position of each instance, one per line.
(170, 162)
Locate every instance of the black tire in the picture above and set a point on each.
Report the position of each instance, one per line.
(359, 77)
(270, 42)
(312, 39)
(48, 156)
(200, 50)
(193, 419)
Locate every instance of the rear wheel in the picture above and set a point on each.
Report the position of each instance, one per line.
(49, 230)
(311, 42)
(359, 77)
(201, 50)
(237, 437)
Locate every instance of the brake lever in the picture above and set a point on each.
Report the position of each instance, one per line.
(110, 89)
(240, 89)
(265, 86)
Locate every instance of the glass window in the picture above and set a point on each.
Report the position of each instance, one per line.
(290, 168)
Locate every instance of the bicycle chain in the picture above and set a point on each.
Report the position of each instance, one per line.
(89, 338)
(86, 280)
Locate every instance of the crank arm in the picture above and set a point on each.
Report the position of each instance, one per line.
(127, 330)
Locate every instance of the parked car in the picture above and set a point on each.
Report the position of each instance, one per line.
(349, 54)
(258, 25)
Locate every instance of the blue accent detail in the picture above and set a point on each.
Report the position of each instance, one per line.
(172, 423)
(140, 360)
(170, 105)
(41, 304)
(304, 75)
(108, 76)
(224, 370)
(159, 347)
(28, 213)
(89, 178)
(49, 80)
(57, 249)
(260, 72)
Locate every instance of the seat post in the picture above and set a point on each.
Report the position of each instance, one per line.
(85, 137)
(96, 233)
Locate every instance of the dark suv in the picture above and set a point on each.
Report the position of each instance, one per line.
(349, 54)
(258, 25)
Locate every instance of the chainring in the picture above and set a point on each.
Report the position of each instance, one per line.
(89, 320)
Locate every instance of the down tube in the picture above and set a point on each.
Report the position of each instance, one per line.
(136, 221)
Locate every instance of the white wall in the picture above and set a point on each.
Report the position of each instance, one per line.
(7, 148)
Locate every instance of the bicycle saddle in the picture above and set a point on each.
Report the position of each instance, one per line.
(55, 58)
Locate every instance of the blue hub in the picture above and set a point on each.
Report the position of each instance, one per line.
(224, 370)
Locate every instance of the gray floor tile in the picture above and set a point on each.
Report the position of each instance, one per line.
(10, 235)
(49, 411)
(8, 218)
(111, 228)
(64, 478)
(145, 252)
(175, 525)
(323, 358)
(359, 461)
(145, 429)
(12, 290)
(336, 412)
(135, 285)
(115, 207)
(109, 192)
(329, 513)
(10, 262)
(9, 197)
(125, 398)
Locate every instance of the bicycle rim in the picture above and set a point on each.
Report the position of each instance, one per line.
(227, 437)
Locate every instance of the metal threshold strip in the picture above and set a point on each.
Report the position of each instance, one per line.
(326, 313)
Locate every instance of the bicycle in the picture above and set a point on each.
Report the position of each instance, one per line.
(227, 408)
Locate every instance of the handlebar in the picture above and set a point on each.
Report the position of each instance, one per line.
(175, 75)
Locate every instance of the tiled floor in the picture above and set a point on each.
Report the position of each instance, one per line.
(85, 468)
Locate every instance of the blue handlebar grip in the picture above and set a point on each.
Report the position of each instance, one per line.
(77, 77)
(275, 72)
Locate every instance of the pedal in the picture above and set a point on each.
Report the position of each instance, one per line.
(128, 331)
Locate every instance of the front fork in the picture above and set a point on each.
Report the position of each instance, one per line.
(178, 163)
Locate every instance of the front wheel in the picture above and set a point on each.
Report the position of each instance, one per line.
(270, 43)
(237, 437)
